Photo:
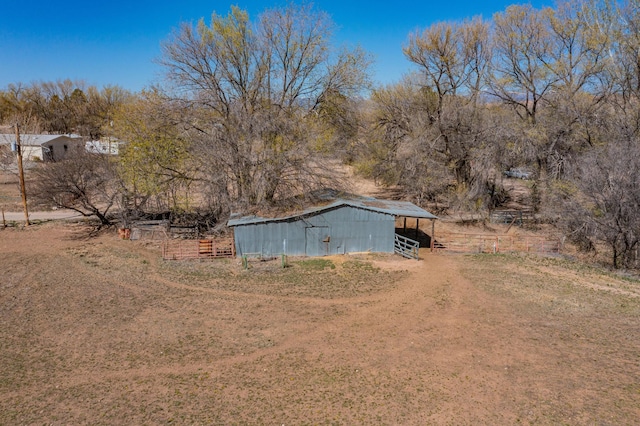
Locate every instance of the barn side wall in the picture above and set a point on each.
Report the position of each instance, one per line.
(341, 230)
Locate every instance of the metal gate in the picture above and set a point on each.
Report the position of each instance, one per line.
(197, 249)
(406, 247)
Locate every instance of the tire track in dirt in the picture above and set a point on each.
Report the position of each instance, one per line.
(422, 291)
(153, 261)
(423, 307)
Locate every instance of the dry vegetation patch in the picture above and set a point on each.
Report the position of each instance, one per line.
(314, 278)
(102, 331)
(580, 326)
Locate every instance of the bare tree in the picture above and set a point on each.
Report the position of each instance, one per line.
(86, 183)
(522, 65)
(440, 123)
(603, 205)
(255, 90)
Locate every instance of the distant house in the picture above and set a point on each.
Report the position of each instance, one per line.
(341, 225)
(44, 147)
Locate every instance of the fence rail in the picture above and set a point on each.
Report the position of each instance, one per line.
(476, 243)
(197, 249)
(511, 217)
(406, 247)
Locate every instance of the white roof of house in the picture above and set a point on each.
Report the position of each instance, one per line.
(33, 139)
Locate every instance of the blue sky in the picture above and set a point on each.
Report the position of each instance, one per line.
(115, 42)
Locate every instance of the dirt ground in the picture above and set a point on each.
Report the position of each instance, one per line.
(96, 330)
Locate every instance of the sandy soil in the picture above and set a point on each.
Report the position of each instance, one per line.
(95, 330)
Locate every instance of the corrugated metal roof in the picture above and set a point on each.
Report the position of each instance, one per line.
(394, 208)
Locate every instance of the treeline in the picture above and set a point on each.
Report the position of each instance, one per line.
(62, 107)
(555, 90)
(257, 111)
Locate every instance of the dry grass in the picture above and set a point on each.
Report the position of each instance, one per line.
(9, 192)
(583, 318)
(101, 331)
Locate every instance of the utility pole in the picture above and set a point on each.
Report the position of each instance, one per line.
(23, 190)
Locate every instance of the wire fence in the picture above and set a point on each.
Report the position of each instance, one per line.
(479, 243)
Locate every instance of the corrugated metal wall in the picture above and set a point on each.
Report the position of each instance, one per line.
(337, 231)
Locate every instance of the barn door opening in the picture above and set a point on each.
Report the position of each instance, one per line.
(317, 241)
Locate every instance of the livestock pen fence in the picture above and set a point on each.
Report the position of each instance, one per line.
(512, 217)
(406, 247)
(481, 243)
(198, 249)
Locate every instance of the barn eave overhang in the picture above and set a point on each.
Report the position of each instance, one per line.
(392, 208)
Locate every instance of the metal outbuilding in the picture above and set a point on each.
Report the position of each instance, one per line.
(343, 225)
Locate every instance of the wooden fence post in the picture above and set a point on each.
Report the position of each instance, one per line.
(433, 234)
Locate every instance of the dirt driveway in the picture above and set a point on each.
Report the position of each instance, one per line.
(102, 331)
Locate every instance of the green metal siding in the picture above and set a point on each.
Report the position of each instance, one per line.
(340, 230)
